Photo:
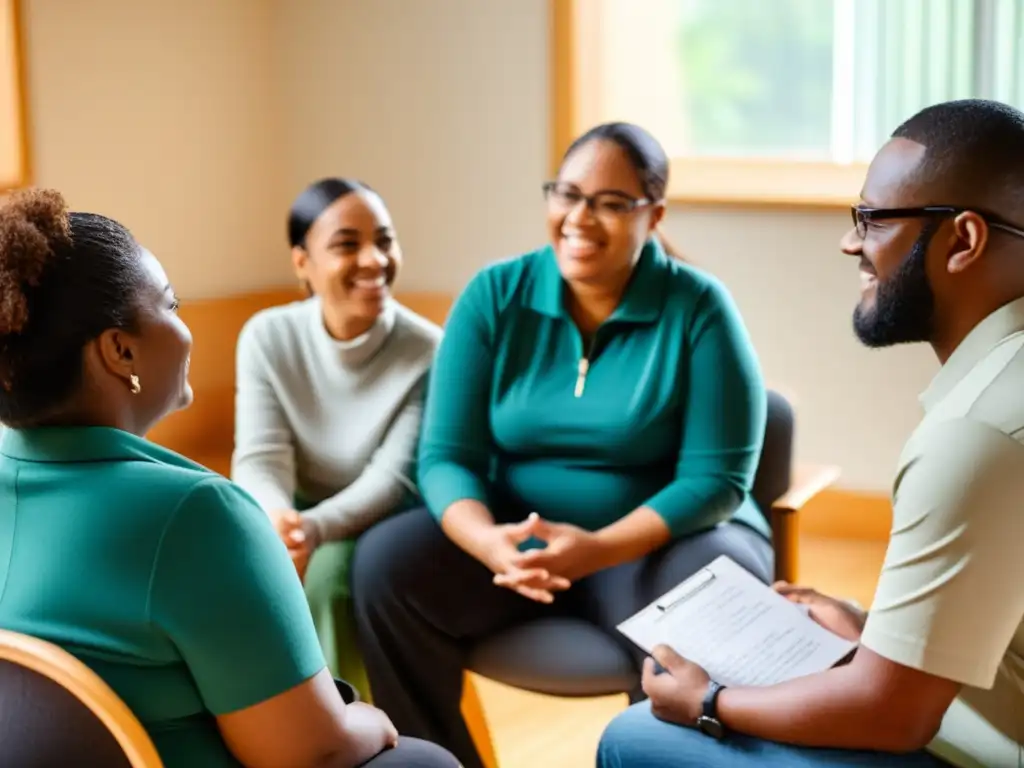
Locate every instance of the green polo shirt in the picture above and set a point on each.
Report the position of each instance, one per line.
(163, 577)
(665, 408)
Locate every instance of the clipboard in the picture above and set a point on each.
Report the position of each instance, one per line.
(737, 628)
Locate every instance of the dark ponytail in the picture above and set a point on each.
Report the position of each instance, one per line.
(668, 247)
(313, 201)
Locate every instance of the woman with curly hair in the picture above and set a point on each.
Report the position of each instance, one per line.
(165, 578)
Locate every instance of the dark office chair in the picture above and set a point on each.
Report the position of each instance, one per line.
(573, 658)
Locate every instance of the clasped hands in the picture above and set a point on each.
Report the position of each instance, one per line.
(571, 554)
(299, 535)
(677, 693)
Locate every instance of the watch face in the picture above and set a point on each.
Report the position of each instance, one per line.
(710, 727)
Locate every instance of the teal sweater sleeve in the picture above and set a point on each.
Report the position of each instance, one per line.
(724, 417)
(455, 441)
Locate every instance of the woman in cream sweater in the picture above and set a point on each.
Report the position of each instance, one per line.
(329, 399)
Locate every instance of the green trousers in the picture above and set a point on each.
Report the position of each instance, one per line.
(330, 601)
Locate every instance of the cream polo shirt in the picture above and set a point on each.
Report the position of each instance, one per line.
(950, 600)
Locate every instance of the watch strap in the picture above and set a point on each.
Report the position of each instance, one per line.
(710, 704)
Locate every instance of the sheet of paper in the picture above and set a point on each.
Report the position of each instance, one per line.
(740, 630)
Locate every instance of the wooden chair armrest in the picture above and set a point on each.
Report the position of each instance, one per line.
(808, 481)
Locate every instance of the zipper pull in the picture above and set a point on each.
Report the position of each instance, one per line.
(581, 378)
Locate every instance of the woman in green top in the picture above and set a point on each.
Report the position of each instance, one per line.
(597, 396)
(165, 578)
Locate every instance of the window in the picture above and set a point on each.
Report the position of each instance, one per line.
(776, 101)
(13, 152)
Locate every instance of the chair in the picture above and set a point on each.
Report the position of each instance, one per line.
(56, 712)
(598, 666)
(349, 693)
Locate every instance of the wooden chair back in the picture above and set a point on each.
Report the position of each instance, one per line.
(56, 712)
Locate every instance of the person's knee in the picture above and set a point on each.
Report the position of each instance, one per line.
(623, 737)
(637, 738)
(414, 753)
(426, 754)
(389, 558)
(328, 574)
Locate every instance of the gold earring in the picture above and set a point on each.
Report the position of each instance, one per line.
(135, 386)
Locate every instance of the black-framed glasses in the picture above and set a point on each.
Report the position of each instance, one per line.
(565, 197)
(862, 216)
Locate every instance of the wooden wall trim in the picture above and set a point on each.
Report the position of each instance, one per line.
(205, 432)
(562, 46)
(17, 80)
(845, 514)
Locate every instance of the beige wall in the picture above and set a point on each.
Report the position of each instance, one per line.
(163, 114)
(444, 106)
(440, 105)
(797, 293)
(196, 121)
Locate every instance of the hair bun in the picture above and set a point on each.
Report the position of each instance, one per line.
(33, 226)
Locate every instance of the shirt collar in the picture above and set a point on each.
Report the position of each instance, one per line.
(641, 303)
(57, 445)
(986, 335)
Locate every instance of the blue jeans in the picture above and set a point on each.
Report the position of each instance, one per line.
(637, 739)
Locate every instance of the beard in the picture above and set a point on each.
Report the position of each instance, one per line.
(904, 303)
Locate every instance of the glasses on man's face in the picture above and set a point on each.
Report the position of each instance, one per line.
(863, 216)
(565, 197)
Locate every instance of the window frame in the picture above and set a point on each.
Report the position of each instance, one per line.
(16, 171)
(753, 182)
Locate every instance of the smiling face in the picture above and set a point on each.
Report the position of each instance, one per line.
(897, 303)
(350, 259)
(599, 245)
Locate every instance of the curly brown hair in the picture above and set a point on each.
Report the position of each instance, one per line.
(31, 224)
(65, 277)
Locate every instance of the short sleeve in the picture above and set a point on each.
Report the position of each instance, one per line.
(225, 591)
(949, 600)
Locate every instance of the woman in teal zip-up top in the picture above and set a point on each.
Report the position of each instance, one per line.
(596, 396)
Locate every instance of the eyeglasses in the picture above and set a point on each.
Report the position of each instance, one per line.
(863, 216)
(565, 197)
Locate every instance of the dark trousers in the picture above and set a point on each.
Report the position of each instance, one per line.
(422, 603)
(413, 753)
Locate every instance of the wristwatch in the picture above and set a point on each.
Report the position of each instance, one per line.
(708, 723)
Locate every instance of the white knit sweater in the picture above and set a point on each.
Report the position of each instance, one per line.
(332, 423)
